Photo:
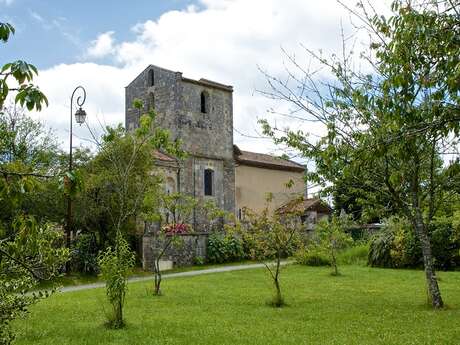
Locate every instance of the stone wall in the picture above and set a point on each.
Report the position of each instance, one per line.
(206, 137)
(192, 246)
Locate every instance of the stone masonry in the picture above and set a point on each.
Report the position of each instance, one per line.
(200, 114)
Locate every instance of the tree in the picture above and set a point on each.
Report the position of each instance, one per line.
(170, 212)
(121, 152)
(30, 249)
(332, 237)
(31, 254)
(22, 74)
(271, 237)
(385, 130)
(116, 264)
(27, 148)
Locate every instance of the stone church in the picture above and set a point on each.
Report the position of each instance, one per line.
(200, 114)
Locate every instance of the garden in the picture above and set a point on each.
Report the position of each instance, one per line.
(362, 306)
(387, 156)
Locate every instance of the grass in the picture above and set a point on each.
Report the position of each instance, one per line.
(76, 279)
(362, 306)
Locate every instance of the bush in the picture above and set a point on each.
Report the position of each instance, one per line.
(397, 246)
(313, 256)
(224, 248)
(445, 244)
(116, 264)
(84, 254)
(354, 255)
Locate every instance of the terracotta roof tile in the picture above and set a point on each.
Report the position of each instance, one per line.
(163, 157)
(265, 161)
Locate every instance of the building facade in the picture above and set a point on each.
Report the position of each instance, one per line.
(259, 175)
(200, 114)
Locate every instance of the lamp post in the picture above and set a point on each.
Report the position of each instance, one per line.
(80, 116)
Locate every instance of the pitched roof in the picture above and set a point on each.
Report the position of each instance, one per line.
(163, 157)
(265, 161)
(301, 205)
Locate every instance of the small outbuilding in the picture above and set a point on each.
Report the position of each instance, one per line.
(311, 210)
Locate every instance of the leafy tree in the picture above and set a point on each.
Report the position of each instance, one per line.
(271, 237)
(332, 237)
(386, 130)
(32, 253)
(22, 74)
(120, 154)
(27, 148)
(170, 212)
(116, 264)
(30, 248)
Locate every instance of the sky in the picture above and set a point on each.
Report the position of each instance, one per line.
(103, 45)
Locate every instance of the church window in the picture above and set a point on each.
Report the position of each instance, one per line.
(151, 77)
(208, 181)
(204, 98)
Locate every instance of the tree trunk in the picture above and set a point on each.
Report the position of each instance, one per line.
(278, 298)
(157, 278)
(430, 274)
(335, 271)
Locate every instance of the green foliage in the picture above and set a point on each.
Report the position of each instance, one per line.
(84, 254)
(446, 241)
(386, 129)
(22, 73)
(270, 238)
(169, 213)
(121, 183)
(221, 248)
(397, 246)
(332, 237)
(116, 263)
(27, 151)
(312, 256)
(354, 255)
(33, 252)
(394, 245)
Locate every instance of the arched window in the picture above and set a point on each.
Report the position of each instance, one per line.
(151, 78)
(204, 102)
(208, 181)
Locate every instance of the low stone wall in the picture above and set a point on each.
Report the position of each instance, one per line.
(191, 247)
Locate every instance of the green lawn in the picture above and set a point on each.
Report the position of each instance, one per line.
(363, 306)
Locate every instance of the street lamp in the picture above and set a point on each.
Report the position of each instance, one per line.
(80, 116)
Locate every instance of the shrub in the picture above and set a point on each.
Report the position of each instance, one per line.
(354, 255)
(224, 248)
(397, 246)
(84, 254)
(379, 249)
(445, 243)
(313, 256)
(116, 264)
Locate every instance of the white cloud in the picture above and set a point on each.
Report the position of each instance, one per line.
(37, 16)
(222, 40)
(6, 2)
(102, 46)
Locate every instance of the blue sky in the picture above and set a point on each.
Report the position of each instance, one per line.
(53, 32)
(103, 45)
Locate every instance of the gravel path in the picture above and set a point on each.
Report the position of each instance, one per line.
(171, 275)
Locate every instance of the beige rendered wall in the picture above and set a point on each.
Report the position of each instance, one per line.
(253, 184)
